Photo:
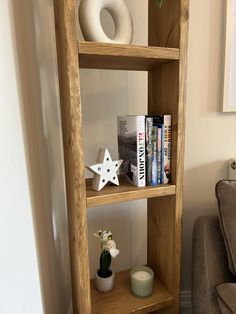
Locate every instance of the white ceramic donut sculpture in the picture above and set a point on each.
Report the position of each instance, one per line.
(90, 22)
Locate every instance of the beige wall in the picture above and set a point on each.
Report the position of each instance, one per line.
(210, 137)
(210, 134)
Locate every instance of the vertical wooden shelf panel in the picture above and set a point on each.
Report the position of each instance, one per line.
(68, 68)
(168, 27)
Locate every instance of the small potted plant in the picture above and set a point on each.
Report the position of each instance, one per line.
(104, 278)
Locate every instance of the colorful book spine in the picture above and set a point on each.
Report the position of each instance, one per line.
(149, 127)
(131, 148)
(165, 122)
(154, 156)
(160, 155)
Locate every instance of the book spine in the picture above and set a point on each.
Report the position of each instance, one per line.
(149, 126)
(164, 122)
(154, 156)
(141, 151)
(167, 148)
(160, 154)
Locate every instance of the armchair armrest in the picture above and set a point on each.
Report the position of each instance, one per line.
(209, 264)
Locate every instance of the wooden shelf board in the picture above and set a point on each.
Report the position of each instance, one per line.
(124, 192)
(121, 300)
(94, 55)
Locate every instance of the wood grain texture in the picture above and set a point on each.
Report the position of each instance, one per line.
(168, 27)
(164, 24)
(68, 67)
(124, 192)
(93, 55)
(121, 300)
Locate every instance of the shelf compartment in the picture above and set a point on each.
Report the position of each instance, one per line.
(95, 55)
(125, 192)
(121, 300)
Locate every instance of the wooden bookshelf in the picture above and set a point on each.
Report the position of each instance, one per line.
(124, 192)
(121, 300)
(165, 60)
(123, 57)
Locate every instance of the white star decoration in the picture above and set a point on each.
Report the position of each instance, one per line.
(104, 170)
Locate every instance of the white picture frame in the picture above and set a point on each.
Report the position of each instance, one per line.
(229, 73)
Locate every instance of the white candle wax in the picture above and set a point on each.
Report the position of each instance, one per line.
(142, 275)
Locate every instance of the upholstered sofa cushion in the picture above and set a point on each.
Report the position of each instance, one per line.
(210, 265)
(226, 294)
(226, 197)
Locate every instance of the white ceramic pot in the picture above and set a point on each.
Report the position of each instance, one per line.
(90, 22)
(104, 284)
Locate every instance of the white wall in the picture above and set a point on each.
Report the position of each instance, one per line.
(32, 164)
(19, 284)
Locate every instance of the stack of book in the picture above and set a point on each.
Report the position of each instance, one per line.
(144, 144)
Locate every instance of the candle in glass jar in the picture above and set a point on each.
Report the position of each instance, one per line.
(142, 281)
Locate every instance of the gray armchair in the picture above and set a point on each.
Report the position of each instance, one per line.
(213, 284)
(209, 266)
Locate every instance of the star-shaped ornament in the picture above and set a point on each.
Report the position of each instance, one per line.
(104, 170)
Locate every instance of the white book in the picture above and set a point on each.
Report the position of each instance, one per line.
(131, 148)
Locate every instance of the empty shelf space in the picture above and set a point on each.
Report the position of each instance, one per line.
(94, 55)
(121, 300)
(125, 192)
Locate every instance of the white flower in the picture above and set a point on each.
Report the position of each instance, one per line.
(107, 244)
(110, 246)
(114, 252)
(104, 235)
